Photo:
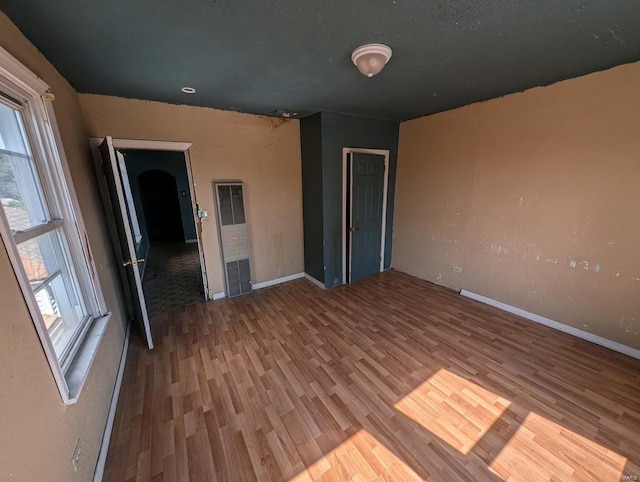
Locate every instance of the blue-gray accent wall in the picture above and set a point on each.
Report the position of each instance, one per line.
(322, 173)
(139, 162)
(311, 146)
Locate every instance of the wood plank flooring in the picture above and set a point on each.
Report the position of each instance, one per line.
(389, 379)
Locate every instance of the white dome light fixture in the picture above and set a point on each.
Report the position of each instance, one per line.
(371, 58)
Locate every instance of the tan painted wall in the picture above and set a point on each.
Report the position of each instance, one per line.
(536, 196)
(261, 151)
(38, 434)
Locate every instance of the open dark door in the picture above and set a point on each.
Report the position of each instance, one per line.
(365, 228)
(120, 224)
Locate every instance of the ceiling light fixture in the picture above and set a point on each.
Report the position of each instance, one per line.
(371, 58)
(188, 90)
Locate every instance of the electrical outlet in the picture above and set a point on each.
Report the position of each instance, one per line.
(76, 456)
(456, 269)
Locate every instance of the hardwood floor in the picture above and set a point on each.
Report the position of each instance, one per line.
(389, 379)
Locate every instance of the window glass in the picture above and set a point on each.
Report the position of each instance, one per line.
(20, 193)
(12, 132)
(45, 260)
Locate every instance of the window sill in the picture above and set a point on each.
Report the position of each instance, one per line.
(79, 368)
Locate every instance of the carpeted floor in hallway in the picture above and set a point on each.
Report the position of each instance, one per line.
(172, 277)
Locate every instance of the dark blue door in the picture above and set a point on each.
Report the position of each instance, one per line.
(367, 189)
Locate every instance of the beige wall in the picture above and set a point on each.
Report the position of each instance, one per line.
(261, 151)
(38, 434)
(536, 196)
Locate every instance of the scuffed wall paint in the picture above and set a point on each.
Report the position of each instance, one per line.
(531, 199)
(262, 152)
(276, 254)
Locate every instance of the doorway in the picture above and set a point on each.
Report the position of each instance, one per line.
(365, 185)
(180, 248)
(160, 191)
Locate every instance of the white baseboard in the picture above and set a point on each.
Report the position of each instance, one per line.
(106, 437)
(316, 282)
(585, 335)
(277, 281)
(264, 284)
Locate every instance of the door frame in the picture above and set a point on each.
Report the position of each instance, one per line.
(347, 203)
(146, 145)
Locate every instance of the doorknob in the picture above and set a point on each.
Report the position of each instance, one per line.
(354, 228)
(134, 262)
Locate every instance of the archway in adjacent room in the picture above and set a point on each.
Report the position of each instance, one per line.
(161, 204)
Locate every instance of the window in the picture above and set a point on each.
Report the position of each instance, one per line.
(42, 231)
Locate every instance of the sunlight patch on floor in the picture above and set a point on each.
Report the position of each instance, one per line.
(456, 410)
(550, 451)
(361, 457)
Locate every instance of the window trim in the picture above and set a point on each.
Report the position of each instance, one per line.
(19, 85)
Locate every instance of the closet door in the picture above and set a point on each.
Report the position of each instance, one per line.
(367, 199)
(233, 235)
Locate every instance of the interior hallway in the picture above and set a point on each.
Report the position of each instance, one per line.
(172, 276)
(390, 379)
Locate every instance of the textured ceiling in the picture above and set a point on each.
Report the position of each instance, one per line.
(266, 56)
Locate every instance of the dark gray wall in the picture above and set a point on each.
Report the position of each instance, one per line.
(339, 131)
(173, 163)
(311, 147)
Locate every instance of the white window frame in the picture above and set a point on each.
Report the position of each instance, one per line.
(19, 83)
